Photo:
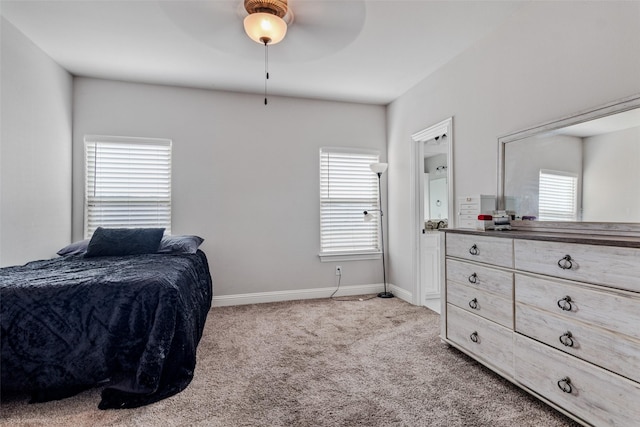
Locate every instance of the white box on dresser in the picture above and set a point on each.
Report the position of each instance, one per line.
(471, 206)
(561, 314)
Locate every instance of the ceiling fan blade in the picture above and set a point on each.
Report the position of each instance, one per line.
(319, 28)
(217, 24)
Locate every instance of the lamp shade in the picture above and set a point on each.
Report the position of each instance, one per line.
(265, 28)
(379, 167)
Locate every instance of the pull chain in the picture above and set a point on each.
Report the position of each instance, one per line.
(266, 69)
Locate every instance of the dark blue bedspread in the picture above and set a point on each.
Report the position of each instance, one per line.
(131, 323)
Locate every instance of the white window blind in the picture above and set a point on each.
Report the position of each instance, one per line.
(347, 188)
(558, 193)
(128, 183)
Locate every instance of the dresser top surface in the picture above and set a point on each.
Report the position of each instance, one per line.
(587, 239)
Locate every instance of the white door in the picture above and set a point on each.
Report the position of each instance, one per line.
(430, 270)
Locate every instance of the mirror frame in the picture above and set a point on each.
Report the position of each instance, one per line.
(618, 106)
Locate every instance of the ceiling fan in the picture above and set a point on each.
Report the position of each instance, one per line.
(320, 27)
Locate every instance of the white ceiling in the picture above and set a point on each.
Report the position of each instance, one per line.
(614, 123)
(369, 51)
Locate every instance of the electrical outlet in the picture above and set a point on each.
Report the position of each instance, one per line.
(338, 270)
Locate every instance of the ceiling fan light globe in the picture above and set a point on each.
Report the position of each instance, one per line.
(265, 26)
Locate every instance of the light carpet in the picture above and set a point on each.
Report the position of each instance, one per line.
(325, 362)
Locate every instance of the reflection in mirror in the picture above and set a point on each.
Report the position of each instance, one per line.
(584, 168)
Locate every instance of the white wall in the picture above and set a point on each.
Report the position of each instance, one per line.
(35, 151)
(611, 180)
(245, 175)
(551, 59)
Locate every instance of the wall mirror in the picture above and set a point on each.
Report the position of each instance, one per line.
(580, 168)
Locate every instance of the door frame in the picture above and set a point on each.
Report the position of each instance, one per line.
(417, 191)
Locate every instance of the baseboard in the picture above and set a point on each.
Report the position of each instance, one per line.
(433, 304)
(262, 297)
(401, 293)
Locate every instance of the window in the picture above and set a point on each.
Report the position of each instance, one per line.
(127, 183)
(348, 187)
(558, 196)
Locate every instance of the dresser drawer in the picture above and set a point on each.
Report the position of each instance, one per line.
(486, 340)
(599, 397)
(602, 347)
(482, 303)
(468, 223)
(469, 210)
(488, 279)
(616, 311)
(481, 203)
(490, 250)
(610, 266)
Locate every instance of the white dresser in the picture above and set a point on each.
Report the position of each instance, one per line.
(556, 314)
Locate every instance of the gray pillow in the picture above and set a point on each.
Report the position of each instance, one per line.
(124, 241)
(180, 244)
(76, 248)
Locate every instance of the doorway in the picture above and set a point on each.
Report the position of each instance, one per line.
(433, 200)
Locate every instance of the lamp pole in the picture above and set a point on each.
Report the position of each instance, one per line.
(384, 294)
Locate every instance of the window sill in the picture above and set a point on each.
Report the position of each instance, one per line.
(349, 256)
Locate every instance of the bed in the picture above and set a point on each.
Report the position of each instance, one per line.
(129, 323)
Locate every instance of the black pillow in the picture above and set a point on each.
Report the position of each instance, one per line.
(76, 248)
(124, 241)
(186, 244)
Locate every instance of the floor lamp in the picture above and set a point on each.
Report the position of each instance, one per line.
(379, 169)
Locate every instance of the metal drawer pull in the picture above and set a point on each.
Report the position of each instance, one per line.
(566, 339)
(565, 303)
(474, 250)
(474, 336)
(473, 278)
(565, 385)
(474, 303)
(565, 263)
